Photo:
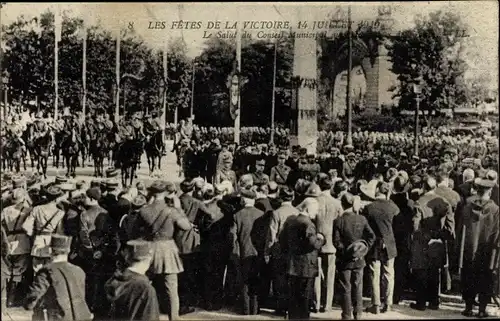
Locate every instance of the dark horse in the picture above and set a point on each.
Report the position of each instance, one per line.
(30, 144)
(154, 150)
(42, 149)
(13, 150)
(70, 148)
(128, 157)
(99, 149)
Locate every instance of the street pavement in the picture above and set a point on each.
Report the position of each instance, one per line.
(402, 311)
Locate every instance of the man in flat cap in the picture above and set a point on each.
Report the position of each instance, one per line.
(129, 292)
(109, 199)
(98, 247)
(480, 234)
(245, 253)
(58, 291)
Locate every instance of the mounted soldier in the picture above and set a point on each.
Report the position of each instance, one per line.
(16, 131)
(41, 127)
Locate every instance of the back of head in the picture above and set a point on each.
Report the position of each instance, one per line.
(324, 181)
(309, 207)
(468, 175)
(429, 183)
(347, 200)
(339, 187)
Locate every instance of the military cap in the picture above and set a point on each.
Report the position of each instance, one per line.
(158, 186)
(80, 184)
(18, 181)
(282, 154)
(351, 155)
(226, 158)
(170, 189)
(94, 193)
(52, 192)
(61, 179)
(248, 193)
(138, 250)
(261, 162)
(112, 183)
(187, 186)
(7, 176)
(95, 182)
(139, 201)
(286, 194)
(67, 187)
(60, 243)
(313, 190)
(111, 172)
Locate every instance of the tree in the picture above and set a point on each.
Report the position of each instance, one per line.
(434, 46)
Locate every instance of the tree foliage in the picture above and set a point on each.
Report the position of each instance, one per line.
(433, 49)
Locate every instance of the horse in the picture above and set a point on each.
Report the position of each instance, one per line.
(30, 145)
(154, 150)
(99, 148)
(85, 146)
(70, 150)
(42, 150)
(13, 152)
(128, 156)
(58, 139)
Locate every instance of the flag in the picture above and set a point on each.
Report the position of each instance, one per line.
(57, 23)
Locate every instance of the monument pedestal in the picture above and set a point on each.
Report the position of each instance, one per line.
(305, 87)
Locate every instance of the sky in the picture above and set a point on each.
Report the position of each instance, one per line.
(481, 16)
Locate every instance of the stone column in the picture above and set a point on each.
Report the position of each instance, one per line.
(305, 68)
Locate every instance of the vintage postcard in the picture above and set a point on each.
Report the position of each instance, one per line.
(329, 160)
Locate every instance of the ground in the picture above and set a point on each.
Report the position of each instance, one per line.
(448, 310)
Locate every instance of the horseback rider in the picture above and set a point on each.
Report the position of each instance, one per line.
(137, 126)
(16, 131)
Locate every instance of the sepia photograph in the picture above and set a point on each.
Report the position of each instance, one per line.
(249, 161)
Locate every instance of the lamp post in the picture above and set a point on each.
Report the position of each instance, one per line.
(5, 89)
(417, 90)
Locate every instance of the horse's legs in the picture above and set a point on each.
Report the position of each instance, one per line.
(67, 158)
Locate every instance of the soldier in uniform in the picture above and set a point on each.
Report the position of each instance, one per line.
(157, 223)
(259, 178)
(279, 173)
(130, 293)
(13, 217)
(58, 291)
(16, 130)
(225, 173)
(43, 221)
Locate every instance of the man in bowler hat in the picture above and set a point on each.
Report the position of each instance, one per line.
(130, 293)
(58, 291)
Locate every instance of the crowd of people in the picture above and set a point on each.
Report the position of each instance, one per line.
(254, 228)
